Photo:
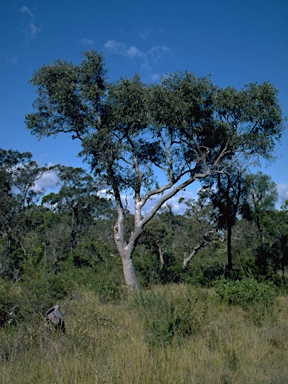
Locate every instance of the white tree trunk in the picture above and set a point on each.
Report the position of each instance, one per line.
(125, 250)
(129, 272)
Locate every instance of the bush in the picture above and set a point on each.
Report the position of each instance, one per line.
(258, 298)
(32, 297)
(90, 254)
(105, 282)
(246, 292)
(168, 317)
(38, 295)
(204, 274)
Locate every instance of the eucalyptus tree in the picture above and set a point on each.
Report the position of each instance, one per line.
(282, 237)
(227, 192)
(21, 174)
(203, 228)
(79, 198)
(262, 196)
(272, 256)
(150, 141)
(18, 196)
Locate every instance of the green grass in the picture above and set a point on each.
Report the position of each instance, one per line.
(201, 340)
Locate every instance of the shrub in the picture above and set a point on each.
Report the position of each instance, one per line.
(168, 317)
(105, 282)
(90, 254)
(257, 298)
(204, 274)
(246, 292)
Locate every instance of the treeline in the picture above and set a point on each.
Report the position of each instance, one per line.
(232, 230)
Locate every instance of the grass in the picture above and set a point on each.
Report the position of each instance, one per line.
(107, 343)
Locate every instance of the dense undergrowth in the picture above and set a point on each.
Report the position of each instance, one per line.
(234, 332)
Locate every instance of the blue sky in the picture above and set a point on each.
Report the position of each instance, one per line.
(237, 42)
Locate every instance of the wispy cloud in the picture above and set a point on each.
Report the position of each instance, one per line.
(144, 33)
(152, 56)
(118, 48)
(86, 42)
(9, 59)
(147, 32)
(155, 77)
(156, 53)
(31, 28)
(25, 9)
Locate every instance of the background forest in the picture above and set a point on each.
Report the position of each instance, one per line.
(59, 248)
(51, 241)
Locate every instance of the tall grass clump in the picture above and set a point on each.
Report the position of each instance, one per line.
(171, 314)
(10, 304)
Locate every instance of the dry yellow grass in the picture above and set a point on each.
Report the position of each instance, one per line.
(105, 343)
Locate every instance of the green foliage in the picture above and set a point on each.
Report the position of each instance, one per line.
(32, 297)
(207, 267)
(18, 198)
(152, 272)
(185, 127)
(258, 299)
(90, 253)
(170, 318)
(207, 273)
(43, 292)
(10, 304)
(246, 292)
(147, 266)
(105, 282)
(244, 267)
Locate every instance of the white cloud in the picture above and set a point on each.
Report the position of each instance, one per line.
(87, 42)
(31, 29)
(48, 180)
(115, 47)
(282, 193)
(134, 52)
(26, 10)
(177, 202)
(148, 58)
(118, 48)
(155, 77)
(156, 53)
(144, 33)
